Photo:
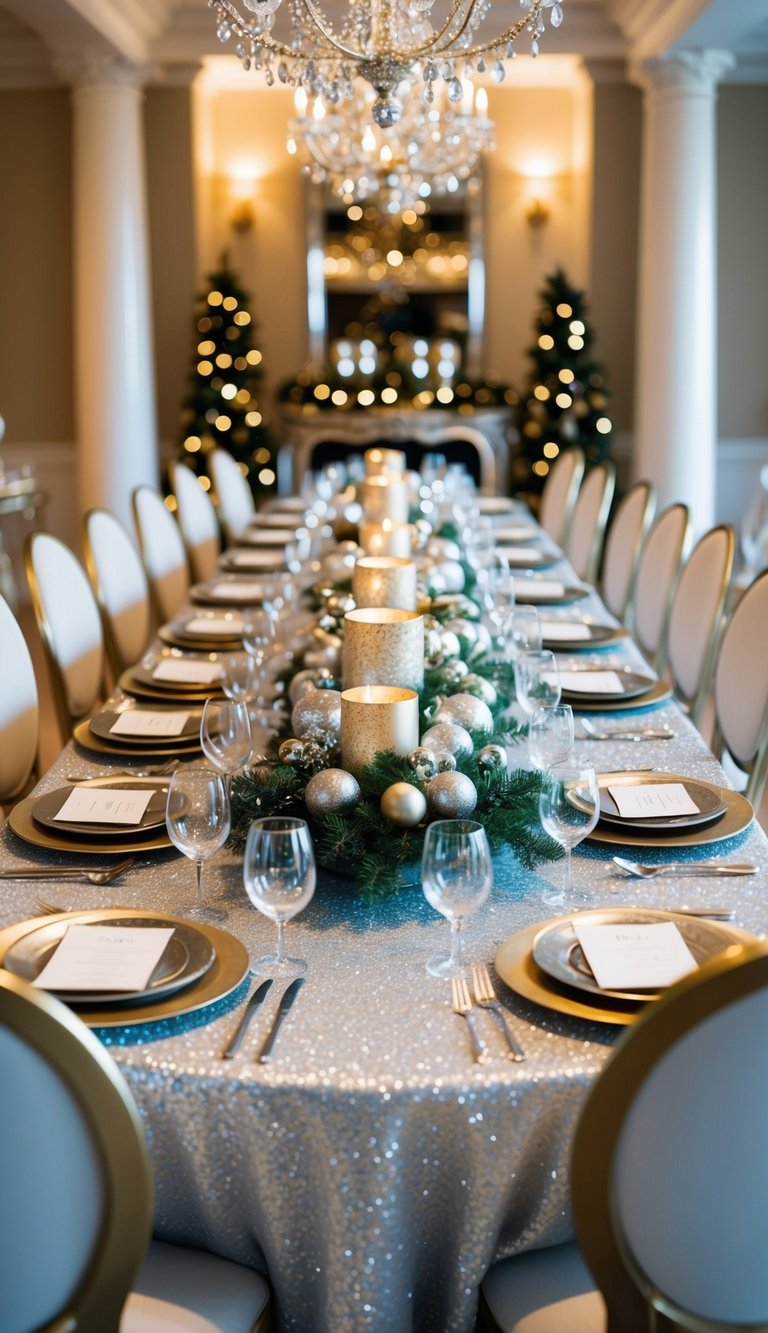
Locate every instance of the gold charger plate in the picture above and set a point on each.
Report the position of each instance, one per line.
(514, 963)
(131, 683)
(195, 644)
(658, 692)
(738, 816)
(228, 969)
(85, 737)
(707, 796)
(229, 590)
(22, 822)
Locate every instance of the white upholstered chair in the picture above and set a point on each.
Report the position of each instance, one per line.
(559, 494)
(588, 520)
(197, 521)
(162, 551)
(234, 496)
(76, 1251)
(19, 713)
(119, 580)
(696, 617)
(658, 568)
(669, 1176)
(68, 619)
(624, 539)
(741, 690)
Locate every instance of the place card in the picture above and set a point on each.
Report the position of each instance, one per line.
(653, 799)
(188, 673)
(224, 625)
(592, 682)
(635, 957)
(565, 630)
(104, 805)
(105, 958)
(144, 722)
(254, 559)
(521, 553)
(239, 592)
(532, 590)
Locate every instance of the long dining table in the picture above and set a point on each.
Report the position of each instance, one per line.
(372, 1170)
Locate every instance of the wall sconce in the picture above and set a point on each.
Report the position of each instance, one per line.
(242, 214)
(537, 213)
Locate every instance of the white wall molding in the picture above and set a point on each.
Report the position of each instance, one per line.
(54, 463)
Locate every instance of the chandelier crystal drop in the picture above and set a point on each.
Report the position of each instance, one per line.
(434, 148)
(381, 42)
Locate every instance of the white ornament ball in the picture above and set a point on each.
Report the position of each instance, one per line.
(302, 683)
(339, 563)
(451, 796)
(324, 657)
(331, 791)
(450, 644)
(403, 804)
(481, 688)
(466, 710)
(443, 548)
(448, 736)
(452, 575)
(318, 713)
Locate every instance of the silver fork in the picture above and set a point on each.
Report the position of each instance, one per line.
(463, 1005)
(485, 996)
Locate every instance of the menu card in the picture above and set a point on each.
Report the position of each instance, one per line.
(196, 673)
(532, 590)
(652, 799)
(563, 629)
(146, 722)
(228, 625)
(104, 805)
(635, 957)
(521, 553)
(239, 592)
(257, 558)
(592, 682)
(105, 958)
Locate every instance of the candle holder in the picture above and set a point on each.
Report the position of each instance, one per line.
(386, 538)
(384, 580)
(383, 646)
(375, 718)
(378, 461)
(386, 496)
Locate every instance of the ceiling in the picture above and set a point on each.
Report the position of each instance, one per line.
(174, 36)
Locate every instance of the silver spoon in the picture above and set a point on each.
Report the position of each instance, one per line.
(684, 868)
(662, 733)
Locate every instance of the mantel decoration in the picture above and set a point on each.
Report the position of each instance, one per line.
(373, 744)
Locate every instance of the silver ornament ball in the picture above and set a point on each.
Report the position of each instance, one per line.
(448, 736)
(331, 791)
(451, 796)
(303, 682)
(446, 762)
(423, 761)
(492, 758)
(465, 710)
(291, 753)
(403, 804)
(319, 714)
(481, 688)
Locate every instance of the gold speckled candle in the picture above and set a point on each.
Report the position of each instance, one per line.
(376, 718)
(386, 538)
(378, 461)
(386, 496)
(383, 646)
(384, 580)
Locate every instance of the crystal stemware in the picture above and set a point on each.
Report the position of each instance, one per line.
(522, 631)
(537, 680)
(225, 735)
(569, 807)
(279, 876)
(197, 816)
(456, 878)
(550, 736)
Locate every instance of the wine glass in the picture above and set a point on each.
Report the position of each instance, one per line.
(550, 735)
(522, 631)
(239, 676)
(197, 816)
(279, 876)
(537, 680)
(569, 807)
(225, 735)
(258, 635)
(456, 878)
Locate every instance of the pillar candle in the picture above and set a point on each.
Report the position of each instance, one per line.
(386, 496)
(375, 718)
(386, 538)
(384, 580)
(378, 461)
(383, 646)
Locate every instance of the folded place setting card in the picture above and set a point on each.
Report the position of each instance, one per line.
(592, 682)
(225, 625)
(533, 590)
(653, 799)
(105, 958)
(564, 629)
(245, 592)
(635, 957)
(145, 722)
(187, 673)
(101, 805)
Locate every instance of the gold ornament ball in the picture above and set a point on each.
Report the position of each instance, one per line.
(403, 805)
(331, 791)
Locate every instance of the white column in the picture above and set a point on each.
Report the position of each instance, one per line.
(676, 379)
(114, 365)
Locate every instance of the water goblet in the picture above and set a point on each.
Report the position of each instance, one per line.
(569, 807)
(456, 878)
(537, 680)
(240, 676)
(197, 816)
(258, 635)
(279, 876)
(550, 735)
(225, 735)
(522, 631)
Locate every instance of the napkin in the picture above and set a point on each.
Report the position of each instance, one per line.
(653, 800)
(635, 957)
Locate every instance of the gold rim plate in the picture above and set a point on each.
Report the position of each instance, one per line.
(599, 634)
(197, 645)
(46, 808)
(22, 822)
(634, 684)
(130, 685)
(253, 560)
(707, 795)
(266, 539)
(228, 969)
(142, 675)
(85, 737)
(658, 692)
(102, 722)
(737, 817)
(206, 594)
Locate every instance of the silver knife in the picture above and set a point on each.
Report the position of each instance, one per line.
(286, 1001)
(255, 1002)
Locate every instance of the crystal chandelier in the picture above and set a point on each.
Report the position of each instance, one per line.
(432, 150)
(379, 41)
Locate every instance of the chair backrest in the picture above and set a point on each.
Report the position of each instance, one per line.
(74, 1167)
(233, 494)
(197, 521)
(70, 627)
(162, 551)
(670, 1175)
(19, 713)
(741, 688)
(623, 541)
(696, 617)
(120, 583)
(559, 494)
(658, 567)
(588, 520)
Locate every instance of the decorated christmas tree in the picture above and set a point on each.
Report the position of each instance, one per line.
(564, 402)
(222, 410)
